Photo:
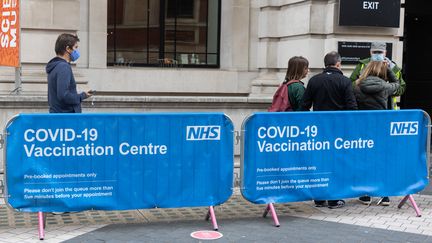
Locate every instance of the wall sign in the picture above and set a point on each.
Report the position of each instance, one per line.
(380, 13)
(352, 52)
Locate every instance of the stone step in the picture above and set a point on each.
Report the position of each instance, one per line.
(33, 75)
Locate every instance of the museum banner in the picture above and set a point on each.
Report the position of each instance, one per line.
(10, 33)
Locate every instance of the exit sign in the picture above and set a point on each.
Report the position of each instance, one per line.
(379, 13)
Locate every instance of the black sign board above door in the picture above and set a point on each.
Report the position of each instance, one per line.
(352, 52)
(380, 13)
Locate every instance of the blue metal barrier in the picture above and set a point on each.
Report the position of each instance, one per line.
(61, 162)
(298, 156)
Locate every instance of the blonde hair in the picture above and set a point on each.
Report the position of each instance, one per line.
(378, 69)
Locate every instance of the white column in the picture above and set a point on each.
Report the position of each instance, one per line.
(235, 35)
(97, 33)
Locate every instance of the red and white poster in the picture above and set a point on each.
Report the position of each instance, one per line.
(9, 33)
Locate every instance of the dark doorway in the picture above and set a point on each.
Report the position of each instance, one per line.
(417, 61)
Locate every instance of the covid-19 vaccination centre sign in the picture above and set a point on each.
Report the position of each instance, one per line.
(57, 162)
(298, 156)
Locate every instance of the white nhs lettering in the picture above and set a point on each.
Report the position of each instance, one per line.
(403, 128)
(203, 133)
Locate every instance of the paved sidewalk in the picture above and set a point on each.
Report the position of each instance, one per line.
(239, 221)
(294, 230)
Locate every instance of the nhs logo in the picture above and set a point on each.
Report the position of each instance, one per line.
(404, 128)
(203, 132)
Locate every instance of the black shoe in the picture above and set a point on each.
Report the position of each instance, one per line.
(336, 204)
(59, 213)
(320, 203)
(384, 201)
(366, 200)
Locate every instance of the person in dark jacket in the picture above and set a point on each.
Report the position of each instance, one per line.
(378, 52)
(372, 92)
(330, 91)
(62, 93)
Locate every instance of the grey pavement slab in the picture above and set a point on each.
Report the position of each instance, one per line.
(427, 190)
(293, 229)
(239, 221)
(235, 207)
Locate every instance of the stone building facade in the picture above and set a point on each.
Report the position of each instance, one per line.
(256, 40)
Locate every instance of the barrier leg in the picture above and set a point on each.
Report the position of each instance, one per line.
(413, 203)
(44, 220)
(41, 225)
(213, 217)
(403, 201)
(266, 211)
(207, 215)
(274, 215)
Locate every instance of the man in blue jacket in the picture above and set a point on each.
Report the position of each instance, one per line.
(62, 93)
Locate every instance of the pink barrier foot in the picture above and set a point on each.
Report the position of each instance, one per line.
(413, 203)
(275, 217)
(41, 225)
(212, 215)
(270, 208)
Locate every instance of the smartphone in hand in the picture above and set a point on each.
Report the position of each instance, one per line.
(92, 91)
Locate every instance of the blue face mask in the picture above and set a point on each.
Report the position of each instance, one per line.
(74, 55)
(379, 57)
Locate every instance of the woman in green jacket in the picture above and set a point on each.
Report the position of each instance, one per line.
(298, 68)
